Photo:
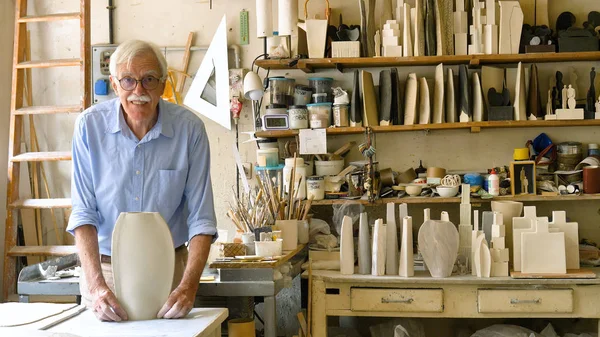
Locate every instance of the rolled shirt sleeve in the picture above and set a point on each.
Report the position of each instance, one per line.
(198, 188)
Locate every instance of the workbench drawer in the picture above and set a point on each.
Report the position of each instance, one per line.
(525, 300)
(398, 300)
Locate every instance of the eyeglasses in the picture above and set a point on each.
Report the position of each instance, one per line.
(148, 82)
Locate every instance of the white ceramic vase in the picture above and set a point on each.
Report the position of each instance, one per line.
(143, 263)
(438, 243)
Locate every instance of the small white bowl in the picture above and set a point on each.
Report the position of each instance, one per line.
(414, 189)
(447, 191)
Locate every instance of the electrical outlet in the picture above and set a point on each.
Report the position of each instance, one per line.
(247, 170)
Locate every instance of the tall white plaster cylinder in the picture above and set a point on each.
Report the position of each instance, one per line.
(264, 18)
(391, 255)
(378, 264)
(287, 17)
(406, 268)
(347, 247)
(364, 246)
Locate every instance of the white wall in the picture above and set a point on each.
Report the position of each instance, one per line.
(6, 37)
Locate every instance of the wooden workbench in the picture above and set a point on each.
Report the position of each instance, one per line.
(259, 264)
(466, 296)
(198, 323)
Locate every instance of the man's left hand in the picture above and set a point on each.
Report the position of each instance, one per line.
(179, 303)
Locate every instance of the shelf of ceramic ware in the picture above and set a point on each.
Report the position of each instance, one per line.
(473, 126)
(456, 200)
(310, 65)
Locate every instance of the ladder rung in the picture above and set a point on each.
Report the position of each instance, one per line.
(42, 156)
(50, 109)
(42, 203)
(42, 250)
(50, 63)
(51, 17)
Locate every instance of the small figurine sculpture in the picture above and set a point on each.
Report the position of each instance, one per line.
(377, 44)
(571, 98)
(569, 104)
(549, 110)
(591, 94)
(559, 86)
(524, 182)
(564, 97)
(598, 105)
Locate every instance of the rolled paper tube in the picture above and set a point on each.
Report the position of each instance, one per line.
(387, 177)
(521, 154)
(264, 20)
(436, 172)
(407, 176)
(288, 17)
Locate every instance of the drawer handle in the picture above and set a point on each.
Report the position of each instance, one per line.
(407, 301)
(518, 301)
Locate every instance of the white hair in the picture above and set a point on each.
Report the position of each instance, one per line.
(127, 50)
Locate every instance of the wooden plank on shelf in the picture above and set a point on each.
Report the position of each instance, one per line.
(42, 156)
(309, 65)
(42, 203)
(39, 110)
(74, 62)
(293, 133)
(42, 250)
(51, 17)
(259, 264)
(571, 273)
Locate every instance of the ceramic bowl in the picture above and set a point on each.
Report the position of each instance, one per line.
(414, 190)
(447, 191)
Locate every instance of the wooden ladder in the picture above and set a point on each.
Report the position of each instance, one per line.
(22, 65)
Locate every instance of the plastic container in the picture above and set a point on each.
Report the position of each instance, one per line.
(593, 150)
(300, 172)
(318, 115)
(329, 168)
(302, 95)
(320, 98)
(267, 157)
(303, 231)
(340, 114)
(289, 232)
(493, 183)
(298, 117)
(267, 144)
(315, 187)
(276, 109)
(281, 90)
(321, 84)
(268, 248)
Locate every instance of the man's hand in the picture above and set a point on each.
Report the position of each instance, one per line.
(179, 303)
(106, 306)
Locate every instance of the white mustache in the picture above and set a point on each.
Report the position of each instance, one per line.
(143, 98)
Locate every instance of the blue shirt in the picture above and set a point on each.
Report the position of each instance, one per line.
(168, 171)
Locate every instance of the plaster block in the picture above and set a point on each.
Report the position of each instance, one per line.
(499, 269)
(500, 255)
(565, 114)
(393, 25)
(391, 41)
(392, 51)
(390, 32)
(498, 231)
(498, 243)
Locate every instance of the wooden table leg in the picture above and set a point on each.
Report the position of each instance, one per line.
(319, 314)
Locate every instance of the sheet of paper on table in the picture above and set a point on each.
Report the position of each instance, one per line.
(313, 141)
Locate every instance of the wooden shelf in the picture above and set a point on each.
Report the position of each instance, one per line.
(310, 65)
(456, 200)
(42, 250)
(473, 126)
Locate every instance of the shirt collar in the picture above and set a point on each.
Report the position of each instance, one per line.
(164, 125)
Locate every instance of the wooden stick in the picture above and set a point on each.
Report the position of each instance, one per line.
(291, 187)
(186, 62)
(307, 207)
(309, 314)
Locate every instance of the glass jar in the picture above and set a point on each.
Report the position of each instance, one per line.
(298, 117)
(593, 150)
(340, 114)
(302, 95)
(318, 115)
(281, 90)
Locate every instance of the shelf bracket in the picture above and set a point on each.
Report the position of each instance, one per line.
(305, 67)
(339, 67)
(475, 129)
(474, 62)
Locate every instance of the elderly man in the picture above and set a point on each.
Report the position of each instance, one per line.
(138, 153)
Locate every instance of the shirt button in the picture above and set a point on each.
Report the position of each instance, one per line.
(139, 146)
(137, 172)
(137, 198)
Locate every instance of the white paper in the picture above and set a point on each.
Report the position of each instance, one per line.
(313, 141)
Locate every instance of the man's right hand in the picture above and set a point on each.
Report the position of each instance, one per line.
(106, 306)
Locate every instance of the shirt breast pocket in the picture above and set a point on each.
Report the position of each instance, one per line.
(172, 186)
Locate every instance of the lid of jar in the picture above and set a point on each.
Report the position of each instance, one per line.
(319, 104)
(303, 87)
(320, 94)
(297, 107)
(268, 150)
(280, 78)
(592, 146)
(341, 104)
(315, 178)
(329, 79)
(290, 161)
(276, 106)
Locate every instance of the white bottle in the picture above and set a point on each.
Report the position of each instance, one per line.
(494, 183)
(301, 169)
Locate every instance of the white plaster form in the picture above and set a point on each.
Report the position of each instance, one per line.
(477, 98)
(520, 103)
(438, 96)
(474, 238)
(347, 247)
(410, 99)
(500, 256)
(571, 230)
(507, 10)
(465, 228)
(364, 246)
(450, 97)
(424, 102)
(406, 268)
(438, 243)
(391, 255)
(542, 251)
(379, 249)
